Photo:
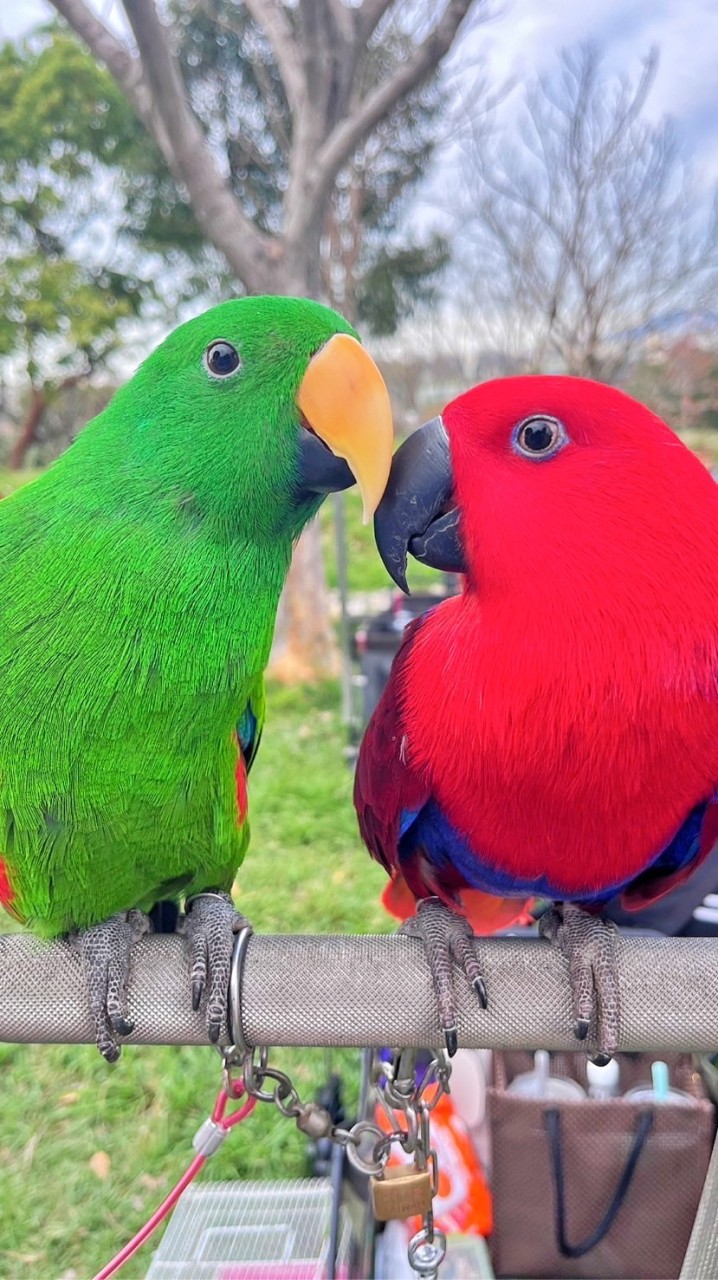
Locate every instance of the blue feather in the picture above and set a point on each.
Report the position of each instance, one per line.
(430, 832)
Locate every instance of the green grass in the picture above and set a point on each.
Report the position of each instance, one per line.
(365, 570)
(306, 872)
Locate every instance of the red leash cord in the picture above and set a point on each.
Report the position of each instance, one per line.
(208, 1138)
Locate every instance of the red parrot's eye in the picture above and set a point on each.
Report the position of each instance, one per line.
(539, 437)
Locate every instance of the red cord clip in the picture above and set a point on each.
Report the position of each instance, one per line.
(208, 1139)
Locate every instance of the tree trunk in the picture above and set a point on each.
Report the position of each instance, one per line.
(305, 646)
(29, 429)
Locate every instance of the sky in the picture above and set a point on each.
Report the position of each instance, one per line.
(525, 36)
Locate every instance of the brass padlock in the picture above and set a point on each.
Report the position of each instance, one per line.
(401, 1192)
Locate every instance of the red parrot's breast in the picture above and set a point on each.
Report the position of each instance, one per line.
(558, 749)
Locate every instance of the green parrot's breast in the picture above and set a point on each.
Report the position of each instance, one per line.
(141, 821)
(122, 686)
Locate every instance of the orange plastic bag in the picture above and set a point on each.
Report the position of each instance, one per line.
(463, 1201)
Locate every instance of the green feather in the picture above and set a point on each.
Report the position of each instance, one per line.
(139, 582)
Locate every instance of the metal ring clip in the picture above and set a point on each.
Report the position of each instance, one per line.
(239, 954)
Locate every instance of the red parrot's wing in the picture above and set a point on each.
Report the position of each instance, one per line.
(391, 798)
(388, 793)
(666, 874)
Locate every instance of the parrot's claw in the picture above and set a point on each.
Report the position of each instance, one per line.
(447, 938)
(209, 927)
(589, 945)
(105, 949)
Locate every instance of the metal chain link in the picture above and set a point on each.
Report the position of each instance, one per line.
(404, 1103)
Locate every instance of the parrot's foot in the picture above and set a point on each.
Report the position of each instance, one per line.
(105, 949)
(447, 938)
(589, 945)
(209, 927)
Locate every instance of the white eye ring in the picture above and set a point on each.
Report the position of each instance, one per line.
(222, 359)
(539, 437)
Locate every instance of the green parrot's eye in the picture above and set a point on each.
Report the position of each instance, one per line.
(539, 437)
(221, 359)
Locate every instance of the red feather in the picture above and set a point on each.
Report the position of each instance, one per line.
(7, 896)
(240, 777)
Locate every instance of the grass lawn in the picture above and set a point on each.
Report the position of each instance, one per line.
(365, 571)
(88, 1151)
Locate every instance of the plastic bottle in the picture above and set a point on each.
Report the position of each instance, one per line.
(659, 1090)
(603, 1081)
(539, 1083)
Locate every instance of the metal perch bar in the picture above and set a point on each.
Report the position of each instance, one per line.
(329, 990)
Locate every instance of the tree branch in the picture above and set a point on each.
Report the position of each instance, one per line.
(216, 208)
(368, 17)
(154, 87)
(125, 69)
(266, 88)
(271, 16)
(346, 136)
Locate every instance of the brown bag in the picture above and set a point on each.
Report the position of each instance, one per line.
(605, 1189)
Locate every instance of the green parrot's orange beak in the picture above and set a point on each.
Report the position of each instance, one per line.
(344, 401)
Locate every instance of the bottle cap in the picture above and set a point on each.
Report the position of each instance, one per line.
(603, 1081)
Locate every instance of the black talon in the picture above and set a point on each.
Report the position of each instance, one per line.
(123, 1026)
(588, 945)
(601, 1059)
(452, 1040)
(210, 926)
(480, 988)
(106, 949)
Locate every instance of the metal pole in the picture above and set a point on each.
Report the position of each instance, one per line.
(355, 991)
(340, 538)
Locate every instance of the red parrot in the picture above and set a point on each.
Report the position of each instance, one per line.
(553, 730)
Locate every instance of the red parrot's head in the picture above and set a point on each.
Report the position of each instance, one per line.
(521, 476)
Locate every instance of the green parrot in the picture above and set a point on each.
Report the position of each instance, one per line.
(139, 582)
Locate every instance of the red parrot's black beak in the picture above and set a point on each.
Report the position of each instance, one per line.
(418, 512)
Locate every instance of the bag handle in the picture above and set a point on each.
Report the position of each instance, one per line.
(552, 1121)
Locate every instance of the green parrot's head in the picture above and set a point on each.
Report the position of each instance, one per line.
(250, 413)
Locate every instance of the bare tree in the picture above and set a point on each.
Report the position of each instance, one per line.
(587, 228)
(318, 48)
